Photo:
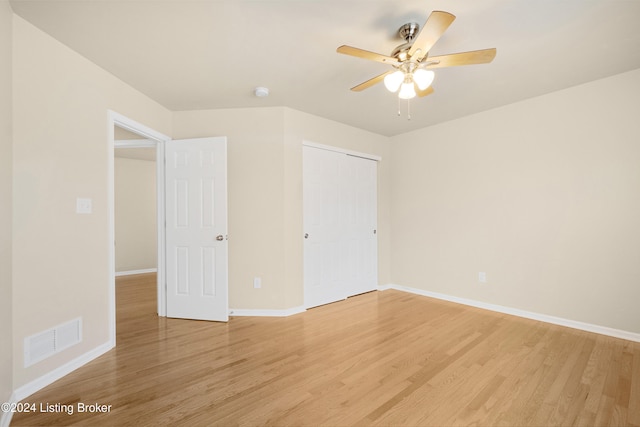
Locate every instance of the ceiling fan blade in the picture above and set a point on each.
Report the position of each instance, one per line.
(483, 56)
(371, 82)
(427, 91)
(437, 23)
(365, 54)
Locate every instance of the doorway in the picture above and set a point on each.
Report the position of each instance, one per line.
(135, 204)
(134, 135)
(136, 228)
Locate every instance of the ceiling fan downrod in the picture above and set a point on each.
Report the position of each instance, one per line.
(407, 32)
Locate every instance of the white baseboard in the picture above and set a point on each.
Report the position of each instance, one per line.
(131, 272)
(48, 378)
(266, 313)
(5, 417)
(603, 330)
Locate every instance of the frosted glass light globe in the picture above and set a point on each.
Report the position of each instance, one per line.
(423, 78)
(393, 81)
(407, 91)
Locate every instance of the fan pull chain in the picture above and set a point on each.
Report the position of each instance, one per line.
(408, 108)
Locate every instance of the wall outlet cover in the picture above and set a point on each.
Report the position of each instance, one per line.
(84, 206)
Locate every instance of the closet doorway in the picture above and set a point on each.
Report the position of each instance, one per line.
(340, 224)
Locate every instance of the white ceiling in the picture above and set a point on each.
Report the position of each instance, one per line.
(190, 55)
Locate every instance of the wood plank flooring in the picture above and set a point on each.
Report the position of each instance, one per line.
(378, 359)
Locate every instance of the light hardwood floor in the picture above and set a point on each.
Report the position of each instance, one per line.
(382, 358)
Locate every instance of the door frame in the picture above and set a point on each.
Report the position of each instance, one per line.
(306, 143)
(158, 139)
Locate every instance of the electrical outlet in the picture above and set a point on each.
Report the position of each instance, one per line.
(257, 283)
(482, 277)
(83, 206)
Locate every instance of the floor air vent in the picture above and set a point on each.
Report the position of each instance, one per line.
(47, 343)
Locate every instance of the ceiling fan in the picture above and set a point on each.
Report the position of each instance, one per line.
(412, 64)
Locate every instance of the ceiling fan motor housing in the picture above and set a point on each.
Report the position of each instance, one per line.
(408, 32)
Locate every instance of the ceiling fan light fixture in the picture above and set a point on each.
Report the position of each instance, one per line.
(407, 91)
(423, 78)
(410, 60)
(393, 81)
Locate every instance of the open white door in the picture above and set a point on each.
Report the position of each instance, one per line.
(196, 229)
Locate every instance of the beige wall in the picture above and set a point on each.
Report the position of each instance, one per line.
(6, 344)
(542, 195)
(255, 198)
(60, 258)
(265, 194)
(135, 214)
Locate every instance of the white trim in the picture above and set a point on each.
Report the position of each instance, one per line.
(341, 150)
(132, 272)
(160, 240)
(589, 327)
(266, 313)
(134, 143)
(5, 417)
(111, 215)
(137, 128)
(116, 119)
(48, 378)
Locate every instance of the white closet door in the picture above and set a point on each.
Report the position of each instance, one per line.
(322, 249)
(340, 247)
(360, 227)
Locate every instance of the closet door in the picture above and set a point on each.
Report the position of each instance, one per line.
(340, 246)
(360, 225)
(322, 246)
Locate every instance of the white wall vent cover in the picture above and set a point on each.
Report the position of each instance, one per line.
(47, 343)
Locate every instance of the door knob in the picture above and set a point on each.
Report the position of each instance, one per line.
(219, 237)
(306, 235)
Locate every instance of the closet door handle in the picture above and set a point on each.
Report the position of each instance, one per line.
(219, 237)
(306, 235)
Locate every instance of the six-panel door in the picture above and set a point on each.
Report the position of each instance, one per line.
(196, 229)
